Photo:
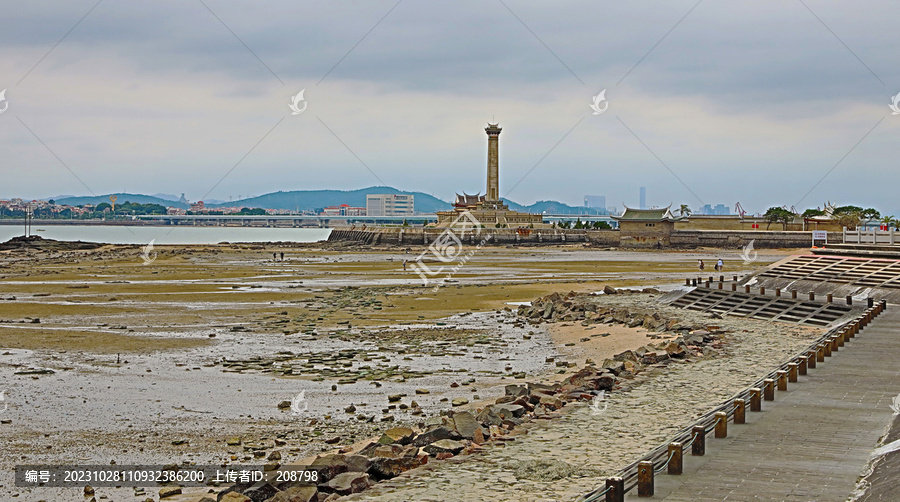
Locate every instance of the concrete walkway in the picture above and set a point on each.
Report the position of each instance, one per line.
(813, 441)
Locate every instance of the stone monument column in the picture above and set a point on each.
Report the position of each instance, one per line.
(493, 163)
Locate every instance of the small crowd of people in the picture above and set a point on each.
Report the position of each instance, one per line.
(720, 265)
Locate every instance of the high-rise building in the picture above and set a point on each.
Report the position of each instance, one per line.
(390, 205)
(719, 209)
(595, 201)
(643, 197)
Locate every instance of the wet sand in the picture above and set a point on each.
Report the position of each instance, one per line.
(140, 354)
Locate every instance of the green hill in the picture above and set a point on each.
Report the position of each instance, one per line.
(313, 199)
(121, 198)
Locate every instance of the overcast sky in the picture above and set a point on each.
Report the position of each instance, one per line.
(709, 102)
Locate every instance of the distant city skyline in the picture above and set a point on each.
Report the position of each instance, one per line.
(767, 104)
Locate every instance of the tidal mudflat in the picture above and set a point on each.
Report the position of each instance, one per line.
(104, 358)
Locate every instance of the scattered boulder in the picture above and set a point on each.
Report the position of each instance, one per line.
(234, 497)
(386, 467)
(296, 494)
(347, 483)
(465, 424)
(169, 491)
(444, 446)
(399, 435)
(436, 434)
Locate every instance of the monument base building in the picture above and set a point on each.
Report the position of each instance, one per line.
(489, 209)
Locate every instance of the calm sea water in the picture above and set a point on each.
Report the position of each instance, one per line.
(166, 235)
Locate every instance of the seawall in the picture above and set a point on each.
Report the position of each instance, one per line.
(611, 238)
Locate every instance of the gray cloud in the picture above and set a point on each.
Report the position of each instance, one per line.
(751, 102)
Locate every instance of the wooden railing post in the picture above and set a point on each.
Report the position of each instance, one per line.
(721, 424)
(615, 490)
(769, 389)
(698, 447)
(811, 358)
(740, 408)
(792, 372)
(645, 479)
(676, 456)
(827, 347)
(755, 402)
(801, 365)
(782, 380)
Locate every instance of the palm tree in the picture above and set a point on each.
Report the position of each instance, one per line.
(684, 210)
(888, 221)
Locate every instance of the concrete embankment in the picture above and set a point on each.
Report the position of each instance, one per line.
(611, 238)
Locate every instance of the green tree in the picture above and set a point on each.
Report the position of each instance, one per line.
(809, 213)
(778, 215)
(684, 210)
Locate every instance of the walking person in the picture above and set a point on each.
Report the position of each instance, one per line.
(720, 265)
(282, 256)
(274, 256)
(404, 264)
(700, 264)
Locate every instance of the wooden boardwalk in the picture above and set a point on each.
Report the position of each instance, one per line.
(813, 441)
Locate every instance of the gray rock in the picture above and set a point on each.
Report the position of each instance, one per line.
(296, 494)
(386, 468)
(347, 483)
(465, 424)
(444, 446)
(436, 434)
(505, 411)
(516, 390)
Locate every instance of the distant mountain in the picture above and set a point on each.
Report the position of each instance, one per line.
(550, 207)
(121, 198)
(313, 199)
(166, 196)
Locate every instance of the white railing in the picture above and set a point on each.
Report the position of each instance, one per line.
(871, 236)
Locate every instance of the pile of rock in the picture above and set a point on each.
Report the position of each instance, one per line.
(455, 432)
(583, 307)
(696, 343)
